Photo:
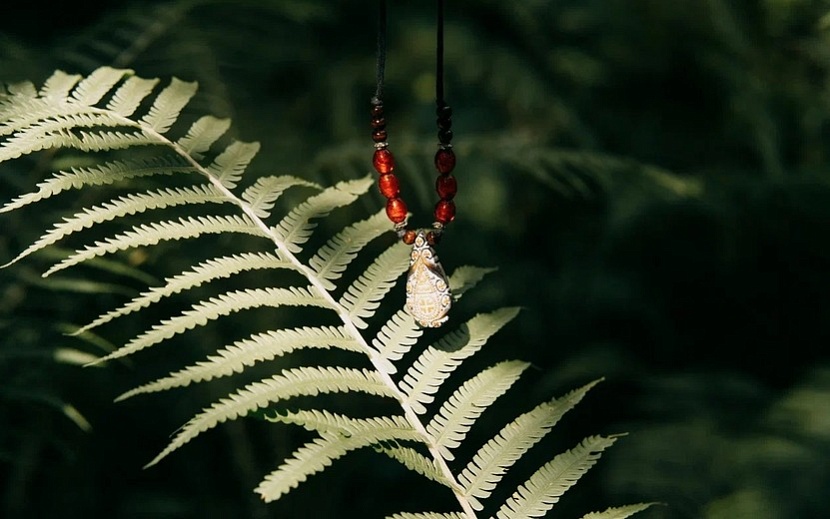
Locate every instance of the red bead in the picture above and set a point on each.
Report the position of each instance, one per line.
(379, 123)
(396, 210)
(388, 185)
(446, 187)
(377, 111)
(379, 135)
(384, 161)
(444, 211)
(433, 238)
(445, 161)
(409, 237)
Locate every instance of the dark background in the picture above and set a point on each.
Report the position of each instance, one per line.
(650, 177)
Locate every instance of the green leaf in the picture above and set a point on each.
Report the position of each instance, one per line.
(168, 104)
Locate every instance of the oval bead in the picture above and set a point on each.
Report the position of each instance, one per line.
(383, 161)
(444, 211)
(446, 187)
(389, 186)
(445, 161)
(396, 210)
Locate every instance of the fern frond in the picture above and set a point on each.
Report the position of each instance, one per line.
(57, 86)
(315, 456)
(264, 193)
(305, 381)
(215, 307)
(363, 296)
(466, 277)
(417, 462)
(621, 512)
(319, 421)
(168, 104)
(296, 227)
(126, 99)
(153, 233)
(259, 347)
(332, 259)
(123, 206)
(437, 362)
(203, 134)
(450, 425)
(104, 174)
(394, 340)
(202, 273)
(542, 491)
(427, 515)
(229, 165)
(94, 87)
(481, 475)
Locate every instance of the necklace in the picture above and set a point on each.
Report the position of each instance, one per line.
(428, 297)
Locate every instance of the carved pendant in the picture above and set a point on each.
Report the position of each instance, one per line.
(428, 296)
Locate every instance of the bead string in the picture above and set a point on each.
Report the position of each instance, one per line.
(384, 161)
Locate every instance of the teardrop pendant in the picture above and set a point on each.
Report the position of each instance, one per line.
(428, 296)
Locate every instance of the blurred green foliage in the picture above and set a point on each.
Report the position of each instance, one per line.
(651, 177)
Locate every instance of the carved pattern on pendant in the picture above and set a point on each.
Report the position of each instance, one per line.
(428, 296)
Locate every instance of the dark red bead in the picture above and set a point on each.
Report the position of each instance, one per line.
(388, 185)
(446, 187)
(379, 135)
(433, 238)
(396, 210)
(409, 237)
(444, 211)
(383, 161)
(445, 161)
(377, 111)
(379, 123)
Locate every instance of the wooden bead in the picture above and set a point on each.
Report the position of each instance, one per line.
(379, 135)
(396, 210)
(409, 237)
(446, 187)
(389, 186)
(444, 211)
(383, 161)
(445, 161)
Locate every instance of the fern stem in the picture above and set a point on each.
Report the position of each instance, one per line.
(319, 285)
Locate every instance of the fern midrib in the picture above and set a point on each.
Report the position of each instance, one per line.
(409, 413)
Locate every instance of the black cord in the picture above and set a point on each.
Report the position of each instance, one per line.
(381, 53)
(439, 58)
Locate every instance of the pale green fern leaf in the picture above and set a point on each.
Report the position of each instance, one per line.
(104, 174)
(335, 256)
(259, 347)
(58, 85)
(437, 362)
(489, 465)
(296, 227)
(228, 167)
(168, 104)
(315, 456)
(203, 134)
(394, 340)
(207, 271)
(427, 515)
(363, 296)
(126, 99)
(215, 307)
(319, 421)
(94, 87)
(457, 415)
(542, 491)
(264, 193)
(305, 381)
(620, 512)
(417, 462)
(153, 233)
(466, 277)
(123, 206)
